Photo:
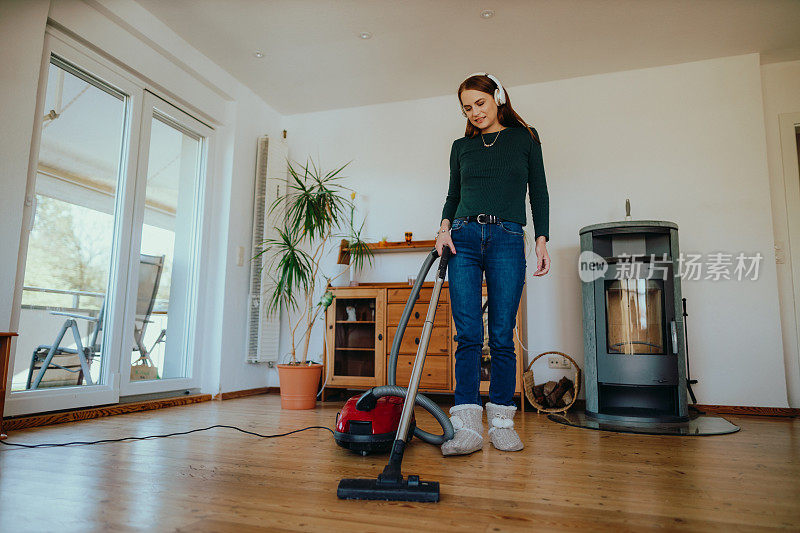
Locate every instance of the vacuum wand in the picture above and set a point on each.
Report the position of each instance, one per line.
(419, 363)
(390, 484)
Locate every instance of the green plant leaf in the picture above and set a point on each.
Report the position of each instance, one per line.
(292, 264)
(359, 250)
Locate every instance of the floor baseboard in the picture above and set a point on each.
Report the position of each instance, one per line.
(46, 419)
(748, 410)
(248, 392)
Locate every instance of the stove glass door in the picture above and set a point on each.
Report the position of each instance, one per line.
(634, 314)
(635, 329)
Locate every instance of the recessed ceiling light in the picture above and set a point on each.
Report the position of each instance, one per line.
(487, 13)
(365, 35)
(258, 53)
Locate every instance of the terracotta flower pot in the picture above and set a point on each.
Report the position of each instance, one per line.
(299, 385)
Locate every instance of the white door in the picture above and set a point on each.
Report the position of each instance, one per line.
(159, 353)
(75, 250)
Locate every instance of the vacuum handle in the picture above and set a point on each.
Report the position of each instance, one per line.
(445, 257)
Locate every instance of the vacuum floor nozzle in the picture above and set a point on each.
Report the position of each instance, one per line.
(405, 490)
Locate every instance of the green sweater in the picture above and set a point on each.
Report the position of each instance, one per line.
(492, 180)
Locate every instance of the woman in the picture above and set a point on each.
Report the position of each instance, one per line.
(490, 168)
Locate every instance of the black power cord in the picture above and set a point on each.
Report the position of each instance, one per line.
(103, 441)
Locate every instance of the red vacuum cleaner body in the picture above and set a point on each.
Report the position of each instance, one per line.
(371, 431)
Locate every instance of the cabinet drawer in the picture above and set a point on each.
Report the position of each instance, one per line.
(435, 373)
(438, 344)
(418, 313)
(401, 294)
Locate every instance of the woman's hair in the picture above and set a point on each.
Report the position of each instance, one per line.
(505, 113)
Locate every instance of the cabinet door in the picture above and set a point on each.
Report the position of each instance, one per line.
(356, 337)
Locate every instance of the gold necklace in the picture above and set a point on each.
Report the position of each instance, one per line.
(494, 141)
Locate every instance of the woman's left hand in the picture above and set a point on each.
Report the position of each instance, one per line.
(542, 257)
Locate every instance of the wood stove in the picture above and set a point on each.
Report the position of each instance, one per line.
(634, 349)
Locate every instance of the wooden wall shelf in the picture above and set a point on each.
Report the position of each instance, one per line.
(401, 246)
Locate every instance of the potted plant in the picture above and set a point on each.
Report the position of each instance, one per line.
(316, 210)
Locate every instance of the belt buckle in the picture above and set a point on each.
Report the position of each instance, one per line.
(478, 218)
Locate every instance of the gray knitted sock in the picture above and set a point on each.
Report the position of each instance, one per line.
(467, 420)
(501, 427)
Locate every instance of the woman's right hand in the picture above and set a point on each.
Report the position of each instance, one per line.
(443, 240)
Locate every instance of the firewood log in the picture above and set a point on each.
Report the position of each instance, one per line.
(567, 398)
(559, 390)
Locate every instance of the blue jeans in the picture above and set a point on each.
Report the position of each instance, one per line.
(498, 250)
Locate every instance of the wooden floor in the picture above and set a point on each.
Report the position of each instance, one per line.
(565, 479)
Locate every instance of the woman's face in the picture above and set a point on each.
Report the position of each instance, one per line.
(480, 108)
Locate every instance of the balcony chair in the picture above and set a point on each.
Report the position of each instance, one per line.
(78, 360)
(150, 269)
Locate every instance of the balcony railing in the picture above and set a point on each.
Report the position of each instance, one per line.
(159, 307)
(76, 297)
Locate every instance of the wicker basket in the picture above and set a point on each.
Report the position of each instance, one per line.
(528, 383)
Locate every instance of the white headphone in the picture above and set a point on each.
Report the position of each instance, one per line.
(499, 93)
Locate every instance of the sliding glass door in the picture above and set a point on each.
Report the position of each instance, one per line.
(106, 301)
(168, 197)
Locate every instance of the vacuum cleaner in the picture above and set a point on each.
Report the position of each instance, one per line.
(370, 431)
(362, 424)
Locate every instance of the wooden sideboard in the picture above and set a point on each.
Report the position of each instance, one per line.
(5, 350)
(359, 341)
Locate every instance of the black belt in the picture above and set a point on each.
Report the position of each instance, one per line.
(483, 218)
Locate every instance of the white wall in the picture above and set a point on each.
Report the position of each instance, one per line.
(685, 143)
(134, 38)
(781, 84)
(22, 24)
(253, 119)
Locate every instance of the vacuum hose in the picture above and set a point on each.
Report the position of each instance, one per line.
(368, 399)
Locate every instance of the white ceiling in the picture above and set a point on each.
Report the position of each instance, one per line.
(314, 60)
